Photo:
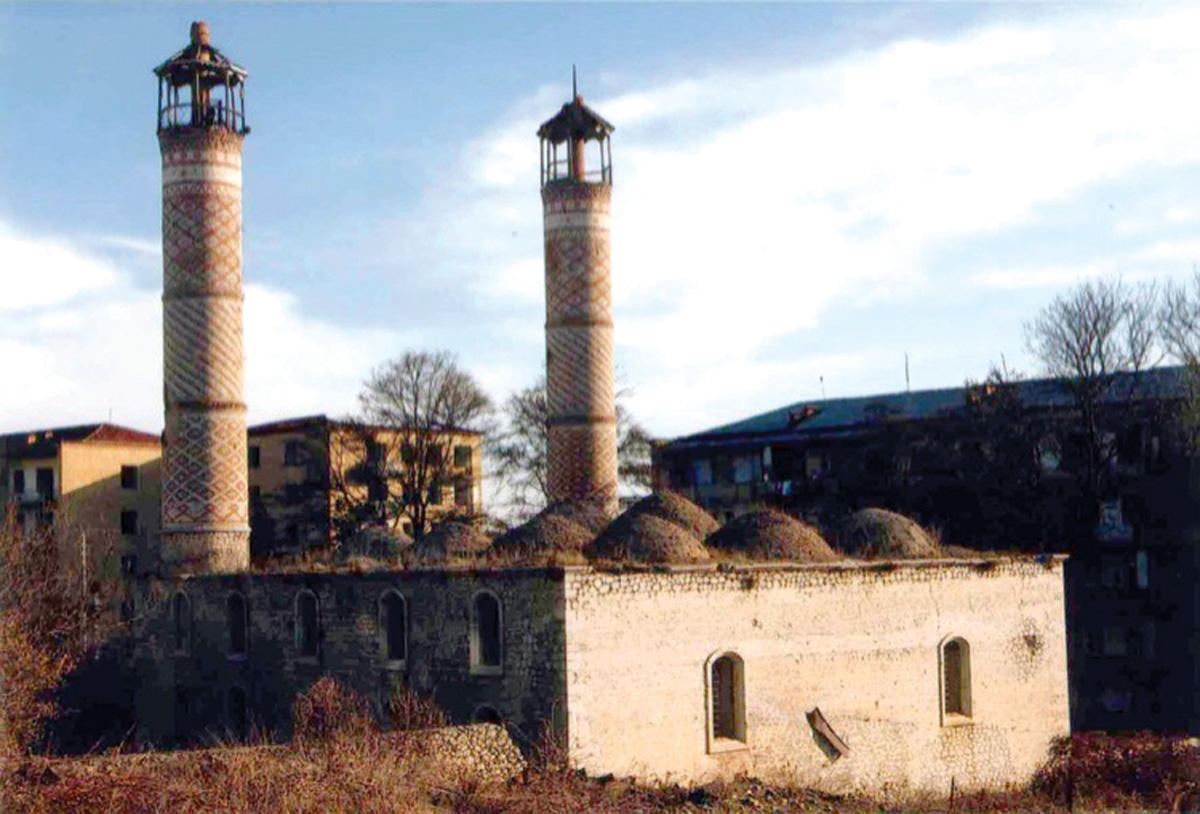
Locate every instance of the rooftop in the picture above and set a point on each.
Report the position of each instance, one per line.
(44, 443)
(824, 416)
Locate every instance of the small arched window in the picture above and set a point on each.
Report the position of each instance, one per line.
(181, 621)
(393, 628)
(485, 714)
(727, 700)
(956, 679)
(487, 640)
(307, 623)
(235, 611)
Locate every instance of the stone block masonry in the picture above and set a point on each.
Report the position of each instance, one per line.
(190, 670)
(860, 643)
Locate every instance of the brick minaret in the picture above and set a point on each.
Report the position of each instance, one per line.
(201, 123)
(582, 458)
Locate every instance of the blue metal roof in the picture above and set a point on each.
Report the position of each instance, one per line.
(837, 416)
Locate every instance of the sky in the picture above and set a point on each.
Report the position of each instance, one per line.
(803, 194)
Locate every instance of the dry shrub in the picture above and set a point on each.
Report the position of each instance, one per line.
(768, 534)
(48, 621)
(1143, 769)
(408, 709)
(330, 711)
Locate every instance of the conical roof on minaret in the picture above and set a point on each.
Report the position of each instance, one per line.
(199, 56)
(574, 122)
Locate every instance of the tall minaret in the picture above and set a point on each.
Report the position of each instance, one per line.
(582, 458)
(201, 123)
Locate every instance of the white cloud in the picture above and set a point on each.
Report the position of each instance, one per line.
(41, 272)
(747, 205)
(93, 344)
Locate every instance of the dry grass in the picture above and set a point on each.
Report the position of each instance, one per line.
(348, 770)
(767, 534)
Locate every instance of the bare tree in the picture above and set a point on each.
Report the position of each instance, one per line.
(413, 413)
(1087, 338)
(1179, 329)
(519, 452)
(50, 617)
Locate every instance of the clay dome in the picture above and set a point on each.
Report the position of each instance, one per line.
(451, 539)
(879, 533)
(376, 541)
(679, 510)
(768, 534)
(587, 513)
(545, 536)
(635, 537)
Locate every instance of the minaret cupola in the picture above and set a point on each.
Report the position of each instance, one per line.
(200, 88)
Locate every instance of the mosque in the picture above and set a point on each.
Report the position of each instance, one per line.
(655, 643)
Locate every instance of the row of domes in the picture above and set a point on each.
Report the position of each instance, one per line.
(664, 527)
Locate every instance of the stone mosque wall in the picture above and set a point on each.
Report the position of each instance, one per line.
(861, 643)
(623, 661)
(189, 678)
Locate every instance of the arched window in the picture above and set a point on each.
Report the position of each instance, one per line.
(237, 713)
(393, 628)
(307, 623)
(485, 714)
(727, 700)
(956, 679)
(235, 611)
(181, 621)
(487, 640)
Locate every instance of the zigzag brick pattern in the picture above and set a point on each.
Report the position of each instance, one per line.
(205, 508)
(582, 455)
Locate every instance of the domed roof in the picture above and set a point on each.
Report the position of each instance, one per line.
(679, 510)
(640, 537)
(590, 514)
(884, 534)
(543, 536)
(377, 541)
(768, 534)
(450, 539)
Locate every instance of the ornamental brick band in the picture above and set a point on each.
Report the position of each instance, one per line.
(205, 509)
(206, 551)
(582, 455)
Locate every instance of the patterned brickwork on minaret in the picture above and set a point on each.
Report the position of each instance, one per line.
(205, 509)
(582, 455)
(205, 501)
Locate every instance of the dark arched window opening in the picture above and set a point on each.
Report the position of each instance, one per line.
(307, 623)
(727, 687)
(237, 713)
(956, 678)
(181, 620)
(235, 608)
(393, 627)
(487, 715)
(487, 633)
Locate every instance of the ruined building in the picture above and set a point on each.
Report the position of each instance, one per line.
(652, 644)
